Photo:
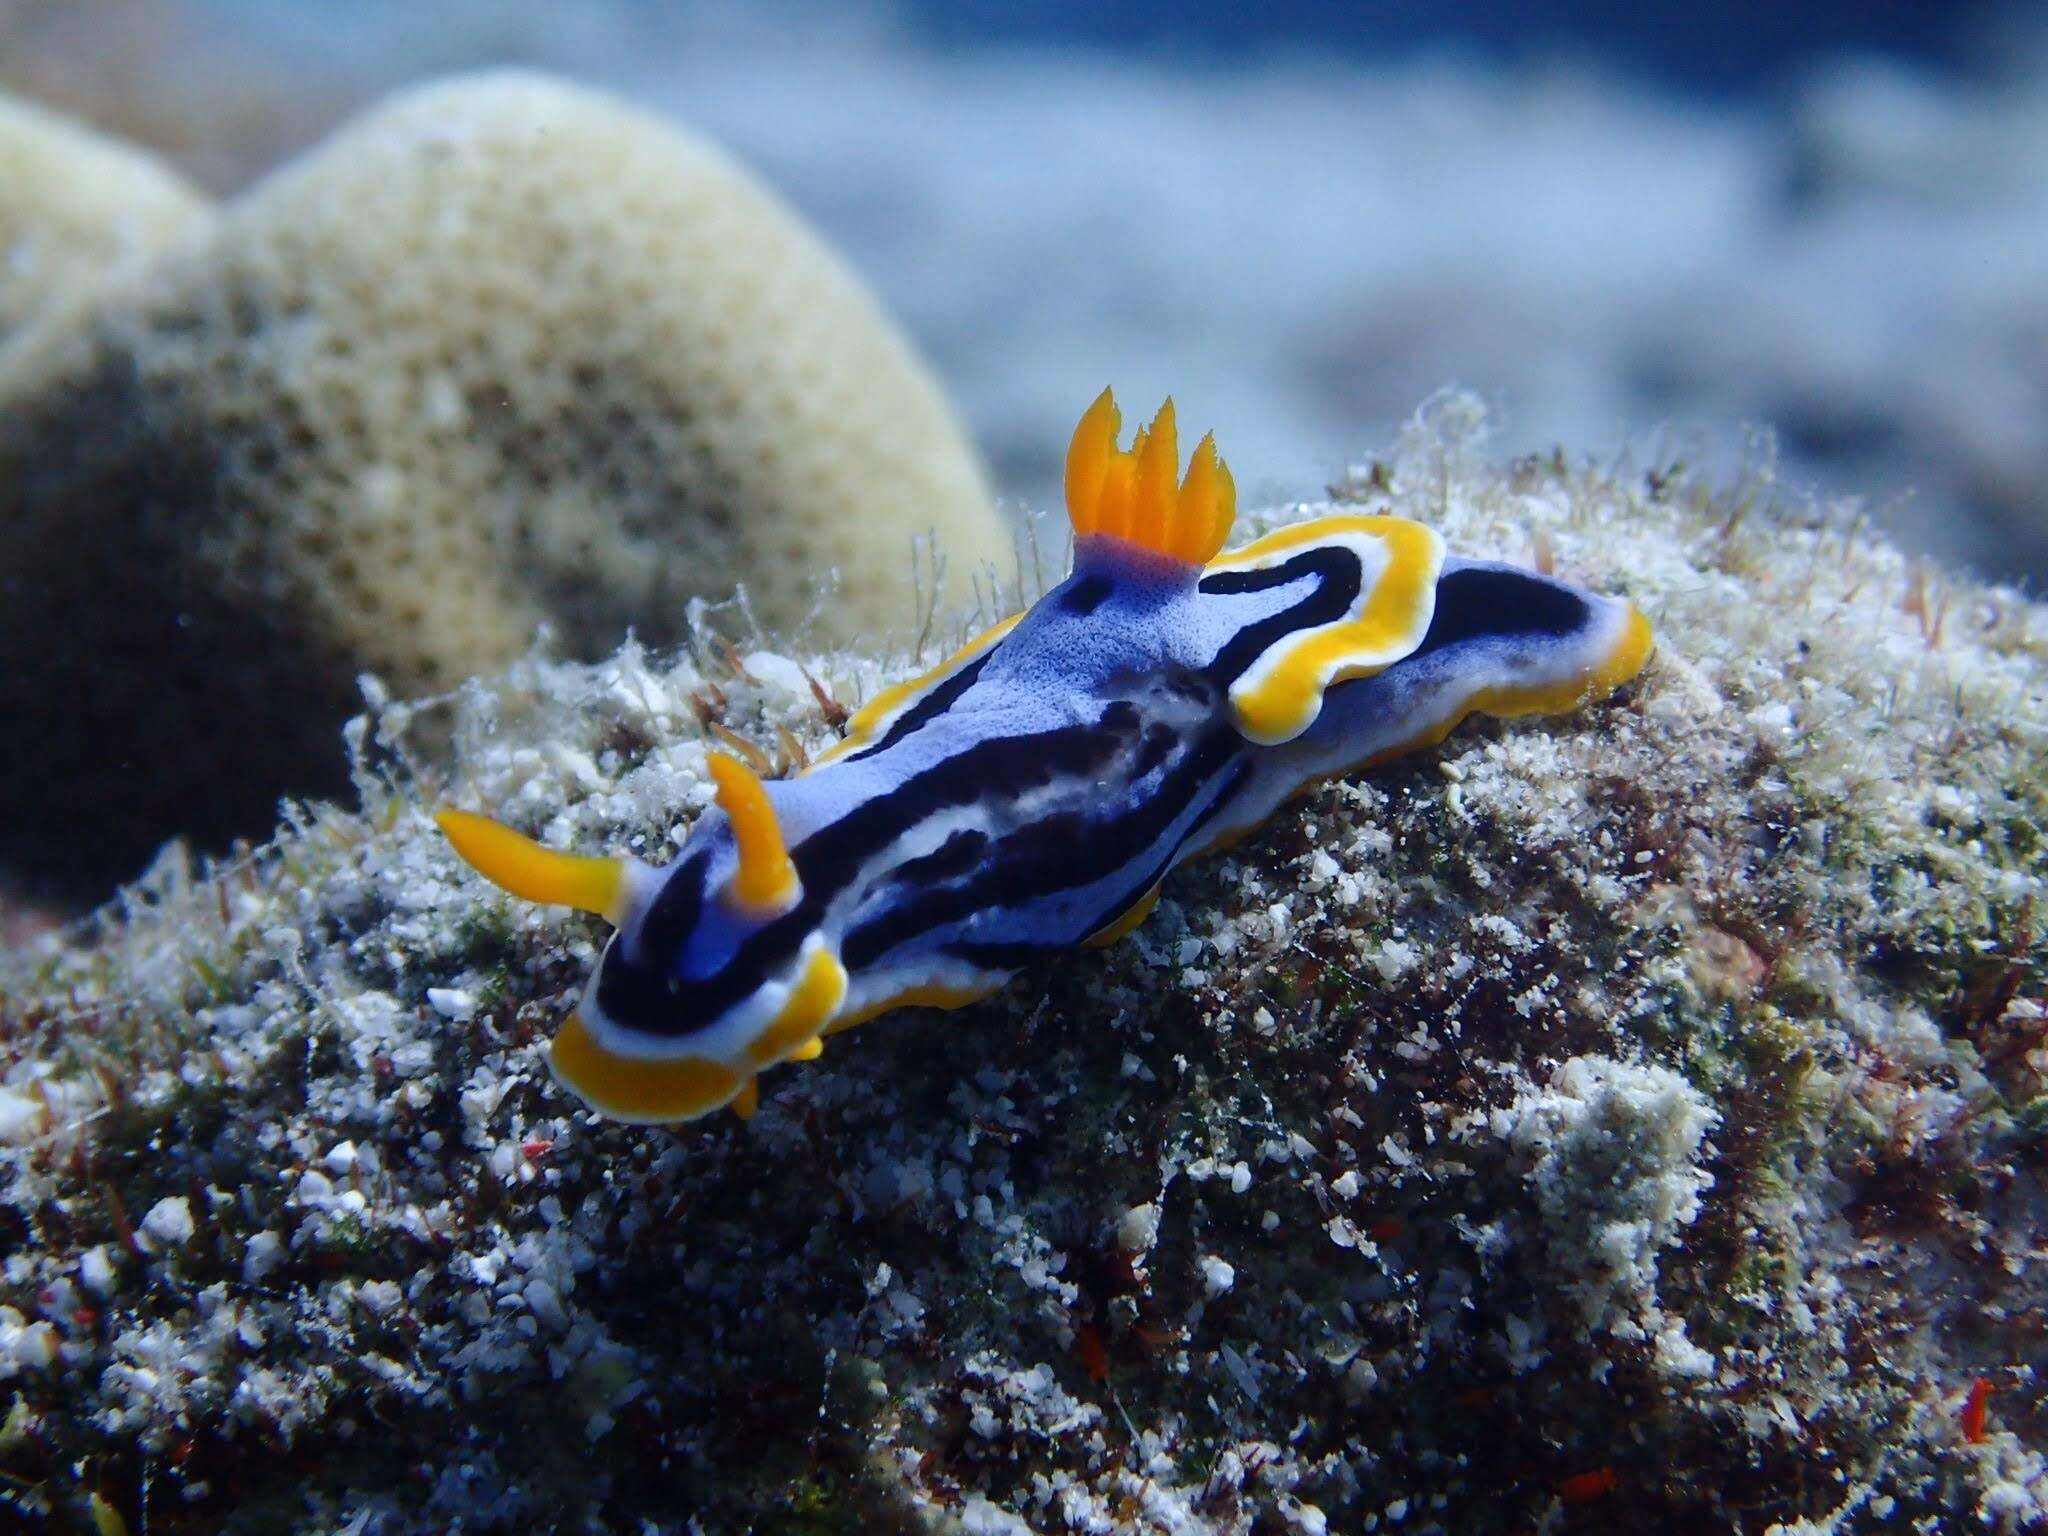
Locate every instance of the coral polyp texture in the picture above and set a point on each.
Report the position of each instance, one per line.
(1630, 1120)
(77, 209)
(504, 352)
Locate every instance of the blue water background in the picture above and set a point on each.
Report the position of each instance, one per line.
(1650, 228)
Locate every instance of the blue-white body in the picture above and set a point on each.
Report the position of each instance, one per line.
(1030, 794)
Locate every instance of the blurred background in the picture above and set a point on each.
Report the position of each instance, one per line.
(1654, 227)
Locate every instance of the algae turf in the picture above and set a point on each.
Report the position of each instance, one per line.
(1629, 1117)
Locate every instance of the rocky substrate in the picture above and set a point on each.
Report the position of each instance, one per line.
(1630, 1120)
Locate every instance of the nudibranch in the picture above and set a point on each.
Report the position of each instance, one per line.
(1029, 794)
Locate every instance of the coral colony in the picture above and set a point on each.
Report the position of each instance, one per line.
(503, 352)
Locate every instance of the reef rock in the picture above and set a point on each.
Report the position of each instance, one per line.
(1631, 1119)
(503, 353)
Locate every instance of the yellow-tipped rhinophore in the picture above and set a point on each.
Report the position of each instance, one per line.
(1132, 495)
(520, 865)
(766, 882)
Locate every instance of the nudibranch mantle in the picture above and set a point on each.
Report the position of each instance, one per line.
(1029, 794)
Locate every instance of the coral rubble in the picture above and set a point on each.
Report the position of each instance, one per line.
(1633, 1119)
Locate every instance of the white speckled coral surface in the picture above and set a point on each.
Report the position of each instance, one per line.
(1634, 1118)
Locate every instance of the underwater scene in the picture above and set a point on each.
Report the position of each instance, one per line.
(1023, 768)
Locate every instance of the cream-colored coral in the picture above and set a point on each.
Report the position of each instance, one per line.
(504, 352)
(76, 208)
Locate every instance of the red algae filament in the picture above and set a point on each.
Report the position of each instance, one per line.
(1974, 1409)
(1583, 1487)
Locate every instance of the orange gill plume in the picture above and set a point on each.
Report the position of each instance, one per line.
(1132, 494)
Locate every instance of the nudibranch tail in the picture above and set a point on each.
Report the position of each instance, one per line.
(1504, 642)
(766, 882)
(1625, 655)
(1137, 494)
(523, 867)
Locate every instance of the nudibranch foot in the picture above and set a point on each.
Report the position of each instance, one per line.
(1027, 796)
(944, 998)
(1126, 925)
(640, 1092)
